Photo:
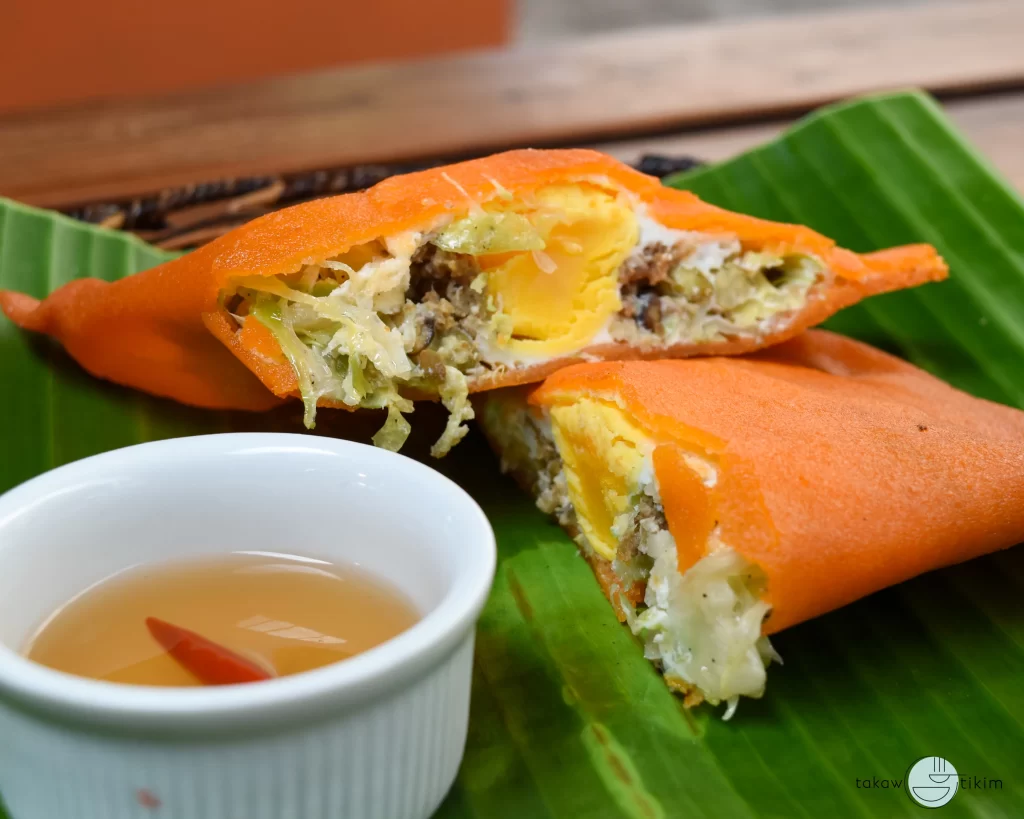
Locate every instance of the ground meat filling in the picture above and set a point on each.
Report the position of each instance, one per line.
(653, 263)
(443, 312)
(649, 515)
(640, 278)
(547, 479)
(688, 292)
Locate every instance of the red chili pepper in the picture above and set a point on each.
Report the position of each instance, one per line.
(211, 663)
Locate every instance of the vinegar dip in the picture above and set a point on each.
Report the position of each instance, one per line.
(280, 612)
(380, 733)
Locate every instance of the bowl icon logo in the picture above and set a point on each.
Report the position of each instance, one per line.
(932, 782)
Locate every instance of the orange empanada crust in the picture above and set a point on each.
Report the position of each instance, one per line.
(164, 330)
(841, 469)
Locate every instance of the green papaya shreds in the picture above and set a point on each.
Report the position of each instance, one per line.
(396, 429)
(314, 376)
(489, 233)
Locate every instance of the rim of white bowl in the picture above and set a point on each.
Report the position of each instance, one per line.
(62, 697)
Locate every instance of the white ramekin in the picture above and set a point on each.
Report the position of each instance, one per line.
(379, 735)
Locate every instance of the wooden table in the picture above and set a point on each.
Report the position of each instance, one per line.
(709, 91)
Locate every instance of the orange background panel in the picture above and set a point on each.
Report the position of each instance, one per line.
(60, 51)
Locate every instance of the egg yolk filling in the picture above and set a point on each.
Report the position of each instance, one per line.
(513, 282)
(700, 608)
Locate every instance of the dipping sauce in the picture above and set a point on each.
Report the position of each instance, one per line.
(283, 613)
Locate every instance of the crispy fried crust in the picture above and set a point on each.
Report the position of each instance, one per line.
(841, 470)
(612, 586)
(164, 330)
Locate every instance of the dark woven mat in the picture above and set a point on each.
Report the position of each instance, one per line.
(179, 218)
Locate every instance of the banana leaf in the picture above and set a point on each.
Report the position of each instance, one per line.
(568, 720)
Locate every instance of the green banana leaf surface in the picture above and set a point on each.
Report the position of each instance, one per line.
(568, 720)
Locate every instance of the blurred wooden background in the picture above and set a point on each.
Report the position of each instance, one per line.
(58, 51)
(545, 20)
(54, 52)
(708, 89)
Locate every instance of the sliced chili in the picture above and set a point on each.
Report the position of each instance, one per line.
(211, 663)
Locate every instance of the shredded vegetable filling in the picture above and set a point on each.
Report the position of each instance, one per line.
(511, 283)
(352, 336)
(702, 627)
(695, 290)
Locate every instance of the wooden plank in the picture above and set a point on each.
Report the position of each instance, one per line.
(994, 123)
(996, 126)
(565, 92)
